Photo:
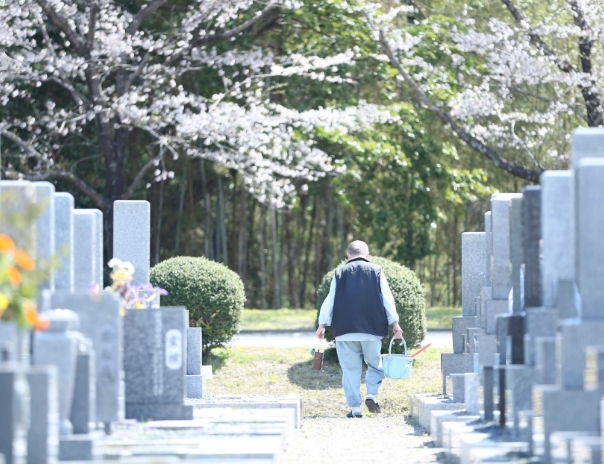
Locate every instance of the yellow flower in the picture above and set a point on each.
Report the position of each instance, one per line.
(120, 276)
(3, 302)
(6, 244)
(14, 276)
(24, 261)
(139, 305)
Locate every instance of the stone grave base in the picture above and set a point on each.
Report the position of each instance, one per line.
(438, 418)
(158, 411)
(215, 435)
(428, 404)
(194, 386)
(78, 447)
(251, 402)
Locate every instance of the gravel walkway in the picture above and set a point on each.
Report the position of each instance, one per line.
(366, 440)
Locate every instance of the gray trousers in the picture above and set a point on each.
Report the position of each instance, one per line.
(351, 356)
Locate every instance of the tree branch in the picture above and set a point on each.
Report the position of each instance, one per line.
(590, 95)
(473, 142)
(592, 101)
(225, 35)
(139, 177)
(521, 19)
(59, 21)
(138, 70)
(78, 183)
(94, 10)
(77, 96)
(143, 14)
(22, 143)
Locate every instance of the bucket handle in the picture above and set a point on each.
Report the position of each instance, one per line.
(390, 347)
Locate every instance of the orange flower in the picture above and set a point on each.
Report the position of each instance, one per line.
(32, 318)
(6, 244)
(31, 315)
(42, 324)
(24, 261)
(14, 276)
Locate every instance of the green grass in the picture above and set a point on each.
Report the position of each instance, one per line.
(438, 317)
(255, 370)
(278, 319)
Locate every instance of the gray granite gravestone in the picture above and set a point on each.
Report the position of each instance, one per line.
(473, 269)
(58, 347)
(43, 433)
(45, 229)
(14, 413)
(587, 142)
(132, 236)
(472, 393)
(488, 231)
(531, 216)
(84, 392)
(64, 241)
(101, 322)
(488, 388)
(500, 216)
(84, 252)
(589, 178)
(194, 379)
(154, 364)
(98, 247)
(557, 232)
(517, 252)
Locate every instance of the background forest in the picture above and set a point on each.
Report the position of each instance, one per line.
(408, 184)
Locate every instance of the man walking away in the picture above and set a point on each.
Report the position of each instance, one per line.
(359, 306)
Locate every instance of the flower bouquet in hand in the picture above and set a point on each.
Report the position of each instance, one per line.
(19, 281)
(143, 296)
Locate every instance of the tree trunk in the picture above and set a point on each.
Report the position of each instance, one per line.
(241, 242)
(160, 210)
(181, 203)
(221, 223)
(262, 263)
(291, 263)
(276, 283)
(307, 255)
(207, 219)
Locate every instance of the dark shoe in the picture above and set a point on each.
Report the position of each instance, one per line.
(373, 407)
(350, 415)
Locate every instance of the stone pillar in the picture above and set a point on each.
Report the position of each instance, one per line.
(85, 233)
(589, 228)
(557, 232)
(45, 228)
(473, 269)
(132, 236)
(64, 242)
(531, 215)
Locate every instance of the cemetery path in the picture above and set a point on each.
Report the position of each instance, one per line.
(367, 440)
(306, 339)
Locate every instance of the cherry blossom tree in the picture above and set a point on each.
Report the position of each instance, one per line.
(510, 86)
(110, 73)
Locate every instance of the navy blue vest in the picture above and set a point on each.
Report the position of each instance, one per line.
(358, 306)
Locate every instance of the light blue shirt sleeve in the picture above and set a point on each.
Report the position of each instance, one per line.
(326, 313)
(389, 304)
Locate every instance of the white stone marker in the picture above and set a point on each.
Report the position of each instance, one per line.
(473, 276)
(557, 232)
(132, 236)
(64, 243)
(45, 229)
(589, 182)
(84, 261)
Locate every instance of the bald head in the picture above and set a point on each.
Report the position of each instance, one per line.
(357, 249)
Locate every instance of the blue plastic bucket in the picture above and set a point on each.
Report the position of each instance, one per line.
(397, 366)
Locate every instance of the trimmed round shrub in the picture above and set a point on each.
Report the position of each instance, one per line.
(409, 298)
(213, 294)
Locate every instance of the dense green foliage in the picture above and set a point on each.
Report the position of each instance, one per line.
(211, 292)
(408, 295)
